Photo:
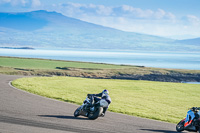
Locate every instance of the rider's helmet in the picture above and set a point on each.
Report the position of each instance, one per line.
(105, 93)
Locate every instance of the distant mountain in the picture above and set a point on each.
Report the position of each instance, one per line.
(42, 29)
(194, 41)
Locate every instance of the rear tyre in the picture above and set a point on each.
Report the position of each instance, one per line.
(76, 112)
(96, 114)
(180, 126)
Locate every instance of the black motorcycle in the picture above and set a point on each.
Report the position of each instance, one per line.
(92, 111)
(191, 122)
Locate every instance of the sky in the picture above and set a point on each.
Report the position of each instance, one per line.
(177, 19)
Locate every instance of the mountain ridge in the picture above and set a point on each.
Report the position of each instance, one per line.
(193, 41)
(51, 29)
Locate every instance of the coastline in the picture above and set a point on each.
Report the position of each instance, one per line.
(27, 48)
(168, 60)
(123, 72)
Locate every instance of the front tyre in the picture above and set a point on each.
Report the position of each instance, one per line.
(180, 126)
(96, 114)
(76, 112)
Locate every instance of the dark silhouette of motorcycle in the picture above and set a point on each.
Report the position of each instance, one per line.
(91, 110)
(191, 122)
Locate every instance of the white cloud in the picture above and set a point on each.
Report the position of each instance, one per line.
(36, 3)
(14, 2)
(136, 12)
(103, 10)
(160, 14)
(22, 3)
(79, 10)
(128, 18)
(193, 20)
(4, 1)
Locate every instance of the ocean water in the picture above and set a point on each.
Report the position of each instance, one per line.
(177, 60)
(192, 82)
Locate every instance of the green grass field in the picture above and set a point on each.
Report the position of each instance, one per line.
(52, 64)
(155, 100)
(44, 67)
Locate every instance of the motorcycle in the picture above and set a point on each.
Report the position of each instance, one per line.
(191, 122)
(91, 110)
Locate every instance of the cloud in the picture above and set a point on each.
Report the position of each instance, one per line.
(36, 3)
(103, 10)
(22, 3)
(128, 18)
(79, 10)
(193, 20)
(14, 2)
(125, 17)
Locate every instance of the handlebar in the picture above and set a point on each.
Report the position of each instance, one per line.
(90, 96)
(195, 109)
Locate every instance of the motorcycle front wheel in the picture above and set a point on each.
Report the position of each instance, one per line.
(180, 126)
(76, 112)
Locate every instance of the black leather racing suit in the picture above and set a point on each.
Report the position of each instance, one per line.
(96, 99)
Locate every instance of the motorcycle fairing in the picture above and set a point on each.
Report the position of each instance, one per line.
(189, 118)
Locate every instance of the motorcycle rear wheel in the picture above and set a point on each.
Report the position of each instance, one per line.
(96, 114)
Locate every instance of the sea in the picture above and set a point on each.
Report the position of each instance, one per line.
(157, 59)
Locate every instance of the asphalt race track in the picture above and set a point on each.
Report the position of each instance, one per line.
(22, 112)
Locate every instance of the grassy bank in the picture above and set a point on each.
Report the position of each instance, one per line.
(43, 67)
(155, 100)
(28, 63)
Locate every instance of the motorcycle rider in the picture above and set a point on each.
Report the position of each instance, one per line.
(191, 115)
(104, 95)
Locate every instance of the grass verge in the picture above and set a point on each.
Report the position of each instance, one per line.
(155, 100)
(43, 67)
(30, 63)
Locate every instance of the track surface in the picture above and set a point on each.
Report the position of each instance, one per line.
(22, 112)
